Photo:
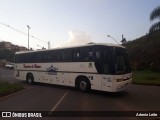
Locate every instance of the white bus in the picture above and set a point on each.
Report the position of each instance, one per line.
(101, 67)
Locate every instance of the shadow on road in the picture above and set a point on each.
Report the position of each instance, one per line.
(94, 92)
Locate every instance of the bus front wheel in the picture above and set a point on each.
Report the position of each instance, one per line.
(84, 85)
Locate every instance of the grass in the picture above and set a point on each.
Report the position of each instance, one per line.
(9, 88)
(146, 78)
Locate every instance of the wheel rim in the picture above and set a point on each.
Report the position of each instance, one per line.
(29, 80)
(83, 85)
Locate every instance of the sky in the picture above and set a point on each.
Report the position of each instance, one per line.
(73, 22)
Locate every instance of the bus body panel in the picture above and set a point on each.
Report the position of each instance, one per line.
(121, 82)
(98, 82)
(107, 82)
(107, 69)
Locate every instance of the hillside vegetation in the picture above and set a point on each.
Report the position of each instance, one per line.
(7, 54)
(144, 52)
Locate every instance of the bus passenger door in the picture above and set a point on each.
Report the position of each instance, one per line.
(107, 79)
(106, 82)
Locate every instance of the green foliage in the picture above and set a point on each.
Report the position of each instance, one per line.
(6, 88)
(154, 27)
(7, 54)
(154, 15)
(144, 52)
(146, 78)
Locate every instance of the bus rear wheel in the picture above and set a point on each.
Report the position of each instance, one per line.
(84, 85)
(30, 79)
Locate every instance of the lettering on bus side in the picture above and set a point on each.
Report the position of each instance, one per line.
(31, 66)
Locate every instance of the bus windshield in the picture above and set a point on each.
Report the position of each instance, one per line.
(121, 62)
(111, 60)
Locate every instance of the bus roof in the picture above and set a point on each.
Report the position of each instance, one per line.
(89, 44)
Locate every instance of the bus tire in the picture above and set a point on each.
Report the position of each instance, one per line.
(84, 84)
(30, 78)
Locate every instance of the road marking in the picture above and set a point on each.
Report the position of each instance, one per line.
(57, 104)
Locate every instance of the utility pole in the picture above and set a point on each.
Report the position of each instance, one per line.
(28, 35)
(49, 45)
(113, 38)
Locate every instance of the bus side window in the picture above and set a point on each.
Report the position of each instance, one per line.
(106, 61)
(75, 54)
(90, 54)
(86, 54)
(16, 59)
(49, 56)
(66, 55)
(98, 55)
(37, 57)
(52, 56)
(44, 57)
(59, 56)
(25, 58)
(56, 56)
(106, 57)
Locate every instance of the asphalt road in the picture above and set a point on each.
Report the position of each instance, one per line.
(50, 98)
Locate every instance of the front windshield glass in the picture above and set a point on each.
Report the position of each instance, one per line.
(121, 62)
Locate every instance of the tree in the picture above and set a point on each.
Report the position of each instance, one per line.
(154, 15)
(7, 54)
